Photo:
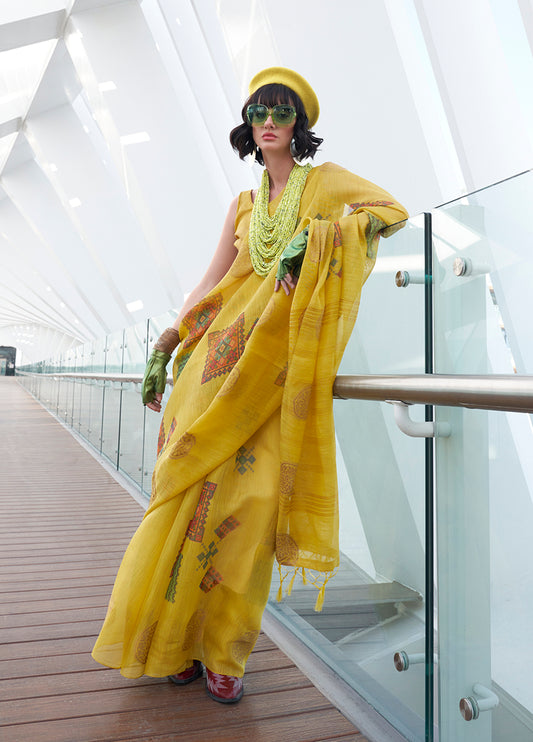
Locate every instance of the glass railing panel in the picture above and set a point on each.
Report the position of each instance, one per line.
(78, 387)
(94, 399)
(374, 607)
(485, 591)
(115, 352)
(135, 348)
(52, 388)
(484, 478)
(69, 365)
(483, 279)
(132, 433)
(131, 408)
(156, 326)
(114, 357)
(98, 353)
(111, 421)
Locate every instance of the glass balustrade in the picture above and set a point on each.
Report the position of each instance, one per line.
(379, 606)
(484, 472)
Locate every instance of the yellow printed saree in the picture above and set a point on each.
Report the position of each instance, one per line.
(246, 465)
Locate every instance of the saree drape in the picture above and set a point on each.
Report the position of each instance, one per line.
(246, 465)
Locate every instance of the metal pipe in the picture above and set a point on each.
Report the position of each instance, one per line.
(512, 393)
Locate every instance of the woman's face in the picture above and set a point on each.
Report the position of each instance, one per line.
(271, 138)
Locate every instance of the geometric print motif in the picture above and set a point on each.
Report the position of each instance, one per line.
(360, 204)
(225, 349)
(205, 557)
(372, 231)
(335, 267)
(337, 239)
(181, 362)
(195, 532)
(204, 314)
(210, 579)
(227, 526)
(282, 376)
(171, 589)
(163, 440)
(244, 460)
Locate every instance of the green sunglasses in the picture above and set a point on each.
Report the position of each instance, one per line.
(282, 115)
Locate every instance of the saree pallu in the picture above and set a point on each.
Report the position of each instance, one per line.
(246, 466)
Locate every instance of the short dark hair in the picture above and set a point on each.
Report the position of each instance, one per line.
(305, 142)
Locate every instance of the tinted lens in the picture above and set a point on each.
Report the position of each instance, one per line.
(283, 115)
(256, 114)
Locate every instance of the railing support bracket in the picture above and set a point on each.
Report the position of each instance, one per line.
(418, 429)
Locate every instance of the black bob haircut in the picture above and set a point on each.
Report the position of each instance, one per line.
(305, 143)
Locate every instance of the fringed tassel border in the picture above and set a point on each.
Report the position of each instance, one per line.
(318, 579)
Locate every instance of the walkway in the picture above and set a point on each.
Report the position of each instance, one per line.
(64, 524)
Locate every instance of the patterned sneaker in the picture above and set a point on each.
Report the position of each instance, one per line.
(187, 676)
(224, 688)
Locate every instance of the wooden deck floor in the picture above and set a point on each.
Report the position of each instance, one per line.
(64, 525)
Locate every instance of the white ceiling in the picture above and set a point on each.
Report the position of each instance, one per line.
(115, 168)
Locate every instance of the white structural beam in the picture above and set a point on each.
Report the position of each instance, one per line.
(477, 89)
(149, 132)
(32, 30)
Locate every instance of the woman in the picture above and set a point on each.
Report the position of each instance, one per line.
(246, 466)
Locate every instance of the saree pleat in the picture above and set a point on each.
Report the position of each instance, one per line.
(246, 466)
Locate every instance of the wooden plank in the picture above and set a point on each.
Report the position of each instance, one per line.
(28, 581)
(44, 618)
(108, 558)
(169, 709)
(308, 726)
(124, 696)
(51, 631)
(64, 663)
(47, 648)
(61, 541)
(50, 605)
(76, 591)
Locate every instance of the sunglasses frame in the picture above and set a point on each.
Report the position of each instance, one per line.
(269, 112)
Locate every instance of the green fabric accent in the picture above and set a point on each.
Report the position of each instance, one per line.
(155, 376)
(292, 257)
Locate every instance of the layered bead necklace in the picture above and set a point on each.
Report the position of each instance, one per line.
(270, 235)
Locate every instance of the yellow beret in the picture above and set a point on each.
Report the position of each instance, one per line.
(294, 81)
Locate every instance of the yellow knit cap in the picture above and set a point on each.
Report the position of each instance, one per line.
(294, 81)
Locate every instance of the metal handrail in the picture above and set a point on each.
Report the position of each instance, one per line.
(510, 393)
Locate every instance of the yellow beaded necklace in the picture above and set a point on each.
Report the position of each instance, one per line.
(270, 235)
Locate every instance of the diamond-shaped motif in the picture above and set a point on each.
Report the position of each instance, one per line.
(225, 347)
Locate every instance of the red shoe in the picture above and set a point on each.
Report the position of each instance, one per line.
(187, 676)
(224, 688)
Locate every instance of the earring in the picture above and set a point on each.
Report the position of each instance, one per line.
(293, 148)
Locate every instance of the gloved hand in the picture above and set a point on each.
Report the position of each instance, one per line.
(155, 375)
(290, 262)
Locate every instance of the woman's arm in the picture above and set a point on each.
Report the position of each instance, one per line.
(221, 262)
(224, 256)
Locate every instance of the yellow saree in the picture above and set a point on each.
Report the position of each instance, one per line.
(246, 466)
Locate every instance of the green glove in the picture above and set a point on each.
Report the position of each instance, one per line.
(292, 257)
(155, 376)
